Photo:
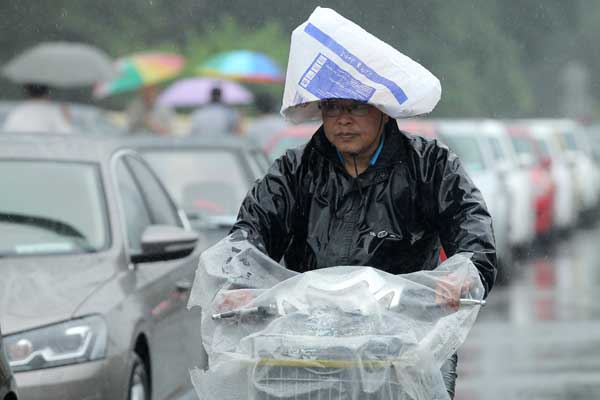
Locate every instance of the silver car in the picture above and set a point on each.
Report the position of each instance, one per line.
(464, 138)
(207, 177)
(8, 386)
(97, 263)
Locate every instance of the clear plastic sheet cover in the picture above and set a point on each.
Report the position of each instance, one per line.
(347, 332)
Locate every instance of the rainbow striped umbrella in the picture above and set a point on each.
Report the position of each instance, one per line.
(141, 69)
(243, 66)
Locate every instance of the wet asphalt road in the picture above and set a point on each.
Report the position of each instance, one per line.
(539, 335)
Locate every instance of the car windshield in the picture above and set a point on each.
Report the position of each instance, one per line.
(467, 149)
(522, 145)
(36, 218)
(203, 182)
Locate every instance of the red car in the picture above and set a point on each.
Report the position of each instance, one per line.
(532, 156)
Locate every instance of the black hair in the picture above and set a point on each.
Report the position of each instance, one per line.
(36, 90)
(215, 95)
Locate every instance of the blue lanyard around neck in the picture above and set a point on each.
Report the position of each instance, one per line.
(375, 156)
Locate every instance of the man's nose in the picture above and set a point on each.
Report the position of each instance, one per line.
(344, 117)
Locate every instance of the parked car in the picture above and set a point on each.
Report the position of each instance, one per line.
(289, 138)
(532, 156)
(592, 134)
(8, 386)
(465, 139)
(565, 210)
(584, 168)
(97, 263)
(85, 118)
(207, 177)
(516, 180)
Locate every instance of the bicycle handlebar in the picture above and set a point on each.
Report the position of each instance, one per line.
(269, 310)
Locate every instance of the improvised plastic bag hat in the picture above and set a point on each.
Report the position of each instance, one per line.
(332, 57)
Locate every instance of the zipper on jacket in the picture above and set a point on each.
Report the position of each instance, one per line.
(349, 228)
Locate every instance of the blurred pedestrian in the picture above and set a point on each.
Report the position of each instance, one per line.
(145, 116)
(268, 121)
(39, 113)
(215, 117)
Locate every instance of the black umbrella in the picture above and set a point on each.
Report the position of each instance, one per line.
(62, 64)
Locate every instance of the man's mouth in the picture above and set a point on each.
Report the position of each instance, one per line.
(346, 135)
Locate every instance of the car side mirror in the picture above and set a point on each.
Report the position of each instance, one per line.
(165, 242)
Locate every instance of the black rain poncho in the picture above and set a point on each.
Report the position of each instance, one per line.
(416, 198)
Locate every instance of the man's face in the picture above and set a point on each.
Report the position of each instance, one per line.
(352, 127)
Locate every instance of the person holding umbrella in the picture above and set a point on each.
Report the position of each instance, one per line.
(144, 115)
(142, 72)
(216, 117)
(48, 65)
(237, 65)
(39, 113)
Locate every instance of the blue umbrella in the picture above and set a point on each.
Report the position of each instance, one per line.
(244, 66)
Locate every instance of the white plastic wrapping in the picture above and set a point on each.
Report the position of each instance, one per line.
(332, 57)
(345, 332)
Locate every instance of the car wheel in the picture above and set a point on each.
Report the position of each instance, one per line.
(139, 382)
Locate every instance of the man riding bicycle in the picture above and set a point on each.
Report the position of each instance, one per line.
(361, 192)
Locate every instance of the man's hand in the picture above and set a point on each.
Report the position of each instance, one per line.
(235, 299)
(451, 288)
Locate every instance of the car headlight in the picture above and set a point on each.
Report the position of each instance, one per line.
(70, 342)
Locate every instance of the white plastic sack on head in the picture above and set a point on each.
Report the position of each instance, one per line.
(332, 57)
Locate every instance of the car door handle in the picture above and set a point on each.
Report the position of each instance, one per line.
(184, 285)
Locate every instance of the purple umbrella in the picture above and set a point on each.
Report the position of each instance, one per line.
(193, 92)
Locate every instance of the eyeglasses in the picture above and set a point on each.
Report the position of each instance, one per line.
(332, 109)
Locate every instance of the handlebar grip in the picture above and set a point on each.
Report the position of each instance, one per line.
(472, 302)
(262, 311)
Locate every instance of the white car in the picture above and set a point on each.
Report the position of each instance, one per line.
(583, 166)
(463, 138)
(565, 206)
(516, 179)
(592, 134)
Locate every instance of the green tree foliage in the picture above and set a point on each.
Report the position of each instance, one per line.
(228, 34)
